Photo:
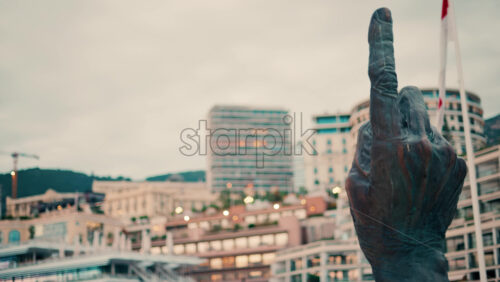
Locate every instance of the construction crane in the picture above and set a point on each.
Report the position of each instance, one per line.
(15, 156)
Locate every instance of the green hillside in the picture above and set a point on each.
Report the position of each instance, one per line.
(35, 181)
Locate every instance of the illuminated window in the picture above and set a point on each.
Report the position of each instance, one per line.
(281, 239)
(216, 263)
(156, 250)
(351, 258)
(254, 241)
(241, 261)
(241, 243)
(190, 248)
(216, 245)
(255, 274)
(202, 247)
(178, 249)
(228, 262)
(216, 277)
(268, 258)
(228, 244)
(255, 259)
(268, 239)
(353, 275)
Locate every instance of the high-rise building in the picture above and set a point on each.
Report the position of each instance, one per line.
(249, 147)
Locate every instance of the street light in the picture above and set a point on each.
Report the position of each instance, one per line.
(336, 190)
(179, 210)
(248, 200)
(276, 206)
(186, 218)
(225, 212)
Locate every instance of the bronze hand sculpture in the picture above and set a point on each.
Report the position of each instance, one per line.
(405, 179)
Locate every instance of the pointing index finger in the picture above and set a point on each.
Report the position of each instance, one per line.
(382, 74)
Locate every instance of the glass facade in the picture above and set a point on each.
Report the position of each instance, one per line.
(249, 148)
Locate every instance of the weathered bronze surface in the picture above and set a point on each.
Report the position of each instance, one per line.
(405, 179)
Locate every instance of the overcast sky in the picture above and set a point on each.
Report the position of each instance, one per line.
(106, 86)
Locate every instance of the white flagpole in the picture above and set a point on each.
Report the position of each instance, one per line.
(470, 152)
(443, 47)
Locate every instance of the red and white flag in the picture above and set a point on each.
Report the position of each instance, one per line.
(447, 32)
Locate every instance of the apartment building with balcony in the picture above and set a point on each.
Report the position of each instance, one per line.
(238, 243)
(326, 260)
(460, 237)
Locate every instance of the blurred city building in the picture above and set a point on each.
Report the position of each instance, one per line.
(299, 175)
(66, 225)
(460, 237)
(249, 147)
(238, 243)
(50, 200)
(157, 228)
(326, 260)
(329, 164)
(135, 200)
(41, 261)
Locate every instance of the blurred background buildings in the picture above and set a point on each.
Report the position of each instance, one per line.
(288, 220)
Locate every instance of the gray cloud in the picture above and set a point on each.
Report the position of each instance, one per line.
(106, 86)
